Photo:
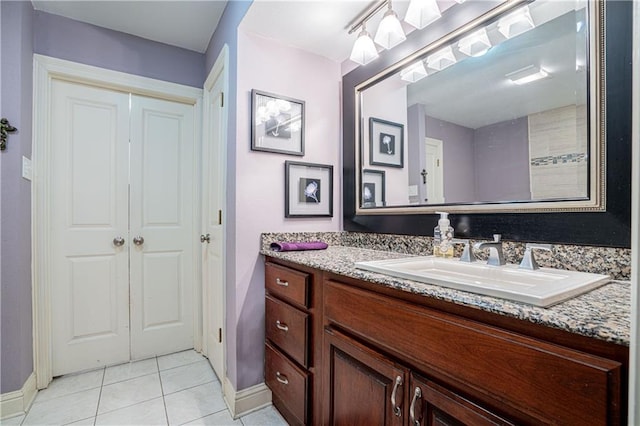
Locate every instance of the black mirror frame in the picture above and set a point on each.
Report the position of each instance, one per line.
(611, 228)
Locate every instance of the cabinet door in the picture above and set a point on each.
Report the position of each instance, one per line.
(433, 405)
(362, 386)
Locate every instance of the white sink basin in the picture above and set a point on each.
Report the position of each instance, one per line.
(542, 287)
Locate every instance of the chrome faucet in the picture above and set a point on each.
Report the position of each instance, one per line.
(528, 261)
(467, 252)
(496, 258)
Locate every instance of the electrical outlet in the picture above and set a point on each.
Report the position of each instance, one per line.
(26, 168)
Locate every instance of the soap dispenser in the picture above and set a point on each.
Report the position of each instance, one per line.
(443, 237)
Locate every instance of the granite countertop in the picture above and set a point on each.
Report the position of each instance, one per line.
(603, 313)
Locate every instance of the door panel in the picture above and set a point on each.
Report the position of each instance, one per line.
(212, 251)
(88, 208)
(162, 144)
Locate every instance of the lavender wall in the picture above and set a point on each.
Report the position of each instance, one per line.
(415, 146)
(458, 160)
(16, 350)
(226, 33)
(76, 41)
(502, 148)
(260, 176)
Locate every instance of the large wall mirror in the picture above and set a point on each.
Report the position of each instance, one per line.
(500, 112)
(504, 110)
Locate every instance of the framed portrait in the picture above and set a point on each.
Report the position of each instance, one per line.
(373, 188)
(277, 123)
(386, 143)
(308, 190)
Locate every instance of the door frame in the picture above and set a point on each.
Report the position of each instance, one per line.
(220, 70)
(45, 70)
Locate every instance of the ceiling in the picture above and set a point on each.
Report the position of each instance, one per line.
(311, 25)
(185, 23)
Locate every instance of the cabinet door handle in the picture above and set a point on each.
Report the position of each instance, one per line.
(282, 378)
(282, 283)
(412, 409)
(282, 326)
(396, 409)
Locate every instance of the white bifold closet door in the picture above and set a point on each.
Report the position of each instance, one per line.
(122, 213)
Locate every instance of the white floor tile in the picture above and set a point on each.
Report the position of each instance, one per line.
(130, 370)
(71, 383)
(187, 376)
(146, 413)
(179, 359)
(13, 421)
(268, 416)
(194, 403)
(65, 409)
(221, 418)
(84, 422)
(129, 392)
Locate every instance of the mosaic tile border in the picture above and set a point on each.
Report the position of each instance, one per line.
(574, 157)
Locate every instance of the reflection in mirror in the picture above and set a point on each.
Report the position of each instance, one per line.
(498, 114)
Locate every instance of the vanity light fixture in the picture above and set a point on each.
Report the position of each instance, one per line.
(475, 44)
(390, 32)
(422, 12)
(527, 74)
(364, 51)
(414, 72)
(441, 59)
(516, 23)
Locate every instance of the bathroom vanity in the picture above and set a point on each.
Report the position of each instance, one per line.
(345, 346)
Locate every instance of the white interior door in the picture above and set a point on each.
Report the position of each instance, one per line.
(434, 171)
(89, 207)
(212, 247)
(122, 171)
(162, 232)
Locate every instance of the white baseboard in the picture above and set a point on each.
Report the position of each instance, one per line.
(18, 402)
(246, 400)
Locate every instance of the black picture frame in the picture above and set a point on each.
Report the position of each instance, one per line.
(277, 123)
(386, 143)
(373, 187)
(308, 190)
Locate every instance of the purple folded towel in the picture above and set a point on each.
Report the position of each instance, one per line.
(311, 245)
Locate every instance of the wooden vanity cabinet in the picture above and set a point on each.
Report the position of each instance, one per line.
(292, 348)
(468, 372)
(356, 352)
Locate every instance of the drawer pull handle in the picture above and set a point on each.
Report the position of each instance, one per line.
(412, 409)
(282, 378)
(282, 326)
(282, 283)
(396, 409)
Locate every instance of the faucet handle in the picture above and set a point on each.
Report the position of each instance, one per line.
(467, 252)
(528, 260)
(497, 237)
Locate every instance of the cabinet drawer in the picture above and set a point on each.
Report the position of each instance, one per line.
(287, 284)
(287, 382)
(546, 382)
(288, 327)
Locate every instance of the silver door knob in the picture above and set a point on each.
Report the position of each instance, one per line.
(138, 240)
(118, 241)
(206, 238)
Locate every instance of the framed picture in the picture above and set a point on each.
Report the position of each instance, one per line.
(386, 143)
(308, 190)
(373, 188)
(277, 123)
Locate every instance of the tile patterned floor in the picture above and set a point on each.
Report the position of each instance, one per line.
(176, 389)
